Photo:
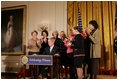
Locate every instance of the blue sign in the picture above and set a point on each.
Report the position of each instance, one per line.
(37, 60)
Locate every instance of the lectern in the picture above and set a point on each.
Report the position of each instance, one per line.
(41, 60)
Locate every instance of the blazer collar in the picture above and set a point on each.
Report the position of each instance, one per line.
(95, 31)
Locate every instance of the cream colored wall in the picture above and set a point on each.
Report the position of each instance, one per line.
(53, 13)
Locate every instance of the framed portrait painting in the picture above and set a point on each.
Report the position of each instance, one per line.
(13, 22)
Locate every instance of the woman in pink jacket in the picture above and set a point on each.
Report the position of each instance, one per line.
(67, 43)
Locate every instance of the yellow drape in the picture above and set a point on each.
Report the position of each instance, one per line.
(72, 9)
(104, 13)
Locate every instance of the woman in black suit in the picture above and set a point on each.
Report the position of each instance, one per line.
(44, 41)
(44, 44)
(60, 44)
(78, 45)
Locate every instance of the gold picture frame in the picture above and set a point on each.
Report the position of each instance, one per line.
(13, 23)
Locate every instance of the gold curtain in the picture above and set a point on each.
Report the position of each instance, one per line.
(104, 13)
(72, 14)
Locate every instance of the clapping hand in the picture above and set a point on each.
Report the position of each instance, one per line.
(41, 40)
(29, 42)
(34, 54)
(56, 55)
(65, 40)
(88, 31)
(45, 40)
(38, 41)
(69, 44)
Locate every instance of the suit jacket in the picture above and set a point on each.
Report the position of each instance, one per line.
(43, 46)
(78, 45)
(55, 50)
(59, 43)
(95, 45)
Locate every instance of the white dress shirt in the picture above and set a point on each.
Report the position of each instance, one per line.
(51, 48)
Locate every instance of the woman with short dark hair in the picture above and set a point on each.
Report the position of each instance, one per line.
(44, 31)
(95, 47)
(44, 41)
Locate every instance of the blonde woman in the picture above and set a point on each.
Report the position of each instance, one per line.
(58, 41)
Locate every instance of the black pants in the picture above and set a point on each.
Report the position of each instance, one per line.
(94, 70)
(63, 58)
(44, 70)
(71, 65)
(33, 69)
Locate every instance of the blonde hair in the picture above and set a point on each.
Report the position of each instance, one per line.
(56, 32)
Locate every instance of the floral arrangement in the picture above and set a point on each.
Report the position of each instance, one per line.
(22, 73)
(107, 72)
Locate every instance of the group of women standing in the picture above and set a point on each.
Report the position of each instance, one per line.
(72, 48)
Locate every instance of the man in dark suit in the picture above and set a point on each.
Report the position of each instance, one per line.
(51, 50)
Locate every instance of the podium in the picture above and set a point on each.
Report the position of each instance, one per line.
(41, 60)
